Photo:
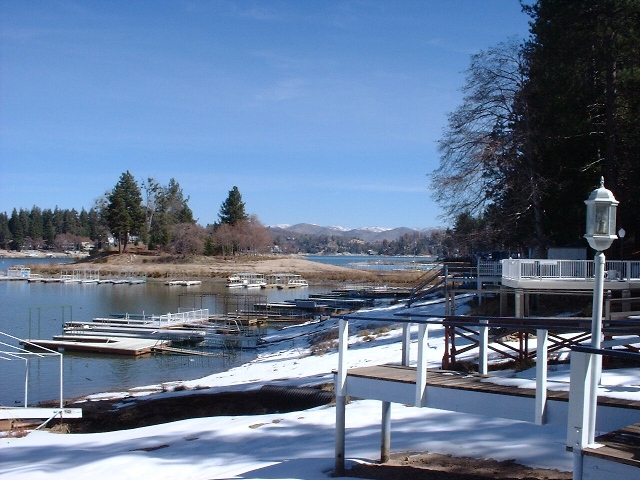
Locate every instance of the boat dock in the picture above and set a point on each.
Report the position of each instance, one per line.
(99, 344)
(83, 275)
(192, 332)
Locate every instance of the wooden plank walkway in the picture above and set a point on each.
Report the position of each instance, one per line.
(469, 382)
(621, 446)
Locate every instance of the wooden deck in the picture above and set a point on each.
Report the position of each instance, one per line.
(99, 344)
(470, 382)
(574, 408)
(621, 446)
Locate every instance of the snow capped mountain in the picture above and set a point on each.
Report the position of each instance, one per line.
(375, 229)
(369, 234)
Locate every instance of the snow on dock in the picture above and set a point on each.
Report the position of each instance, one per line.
(100, 344)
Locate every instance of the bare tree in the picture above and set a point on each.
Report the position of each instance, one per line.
(485, 155)
(188, 239)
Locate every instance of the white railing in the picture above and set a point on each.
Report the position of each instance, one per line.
(181, 317)
(489, 268)
(522, 269)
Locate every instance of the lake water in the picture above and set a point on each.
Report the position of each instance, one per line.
(375, 262)
(38, 310)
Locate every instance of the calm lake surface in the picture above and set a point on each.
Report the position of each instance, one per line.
(38, 310)
(375, 262)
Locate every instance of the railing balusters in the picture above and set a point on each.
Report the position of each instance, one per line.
(518, 269)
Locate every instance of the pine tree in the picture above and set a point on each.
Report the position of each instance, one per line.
(124, 213)
(17, 232)
(584, 101)
(232, 210)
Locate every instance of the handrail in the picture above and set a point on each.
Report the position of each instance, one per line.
(519, 268)
(583, 398)
(625, 355)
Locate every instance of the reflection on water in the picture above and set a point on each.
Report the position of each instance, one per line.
(39, 310)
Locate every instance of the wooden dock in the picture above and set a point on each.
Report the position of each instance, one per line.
(99, 344)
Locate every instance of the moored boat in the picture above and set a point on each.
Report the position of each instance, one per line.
(246, 280)
(285, 280)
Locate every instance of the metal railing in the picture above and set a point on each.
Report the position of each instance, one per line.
(522, 269)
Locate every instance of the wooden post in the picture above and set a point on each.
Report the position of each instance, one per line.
(406, 343)
(452, 350)
(445, 357)
(483, 356)
(340, 388)
(578, 427)
(541, 376)
(421, 367)
(626, 305)
(385, 448)
(340, 435)
(452, 293)
(504, 301)
(518, 301)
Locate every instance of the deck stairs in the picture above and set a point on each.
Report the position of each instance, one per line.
(430, 282)
(449, 275)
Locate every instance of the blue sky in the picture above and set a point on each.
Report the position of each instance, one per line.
(324, 112)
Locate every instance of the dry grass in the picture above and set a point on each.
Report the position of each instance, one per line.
(160, 266)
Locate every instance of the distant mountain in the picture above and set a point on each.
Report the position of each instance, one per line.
(368, 234)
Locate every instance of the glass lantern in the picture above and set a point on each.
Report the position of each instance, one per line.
(601, 218)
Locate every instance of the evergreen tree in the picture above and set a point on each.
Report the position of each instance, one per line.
(583, 96)
(168, 207)
(16, 230)
(36, 226)
(232, 210)
(48, 227)
(84, 229)
(124, 213)
(5, 233)
(541, 123)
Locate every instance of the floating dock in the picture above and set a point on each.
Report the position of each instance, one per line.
(99, 344)
(141, 335)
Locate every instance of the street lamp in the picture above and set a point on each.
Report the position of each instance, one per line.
(601, 232)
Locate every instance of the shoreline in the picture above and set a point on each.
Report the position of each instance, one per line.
(239, 394)
(163, 266)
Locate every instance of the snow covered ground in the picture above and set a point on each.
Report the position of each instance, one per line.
(296, 445)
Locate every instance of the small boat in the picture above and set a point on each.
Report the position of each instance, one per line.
(246, 280)
(234, 281)
(183, 283)
(285, 280)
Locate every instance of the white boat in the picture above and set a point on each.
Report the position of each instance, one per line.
(234, 281)
(298, 283)
(183, 283)
(246, 280)
(285, 280)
